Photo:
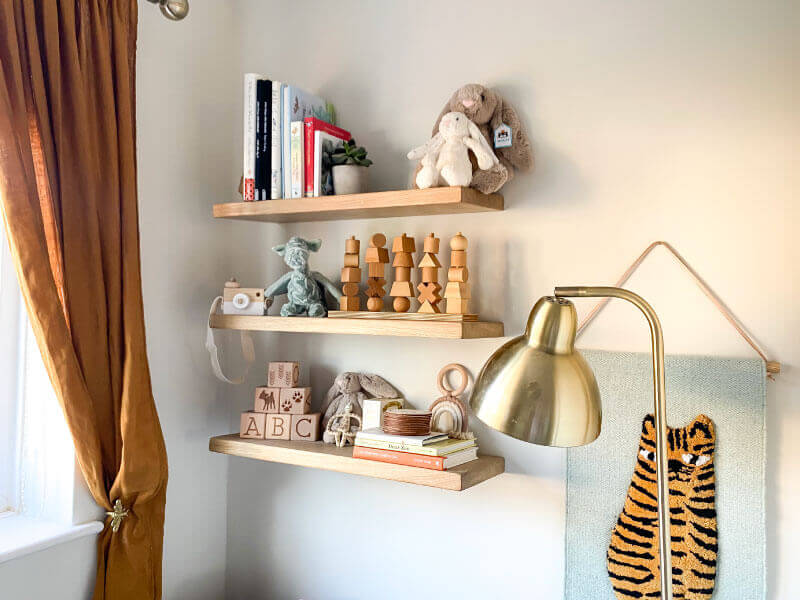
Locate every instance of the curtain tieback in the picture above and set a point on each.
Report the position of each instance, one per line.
(119, 513)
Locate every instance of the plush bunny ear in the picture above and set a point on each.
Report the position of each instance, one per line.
(314, 245)
(333, 392)
(280, 250)
(377, 386)
(476, 135)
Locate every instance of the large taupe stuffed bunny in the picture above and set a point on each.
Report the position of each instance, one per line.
(353, 389)
(488, 110)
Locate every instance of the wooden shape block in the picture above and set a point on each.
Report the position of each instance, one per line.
(295, 401)
(375, 304)
(402, 288)
(351, 260)
(252, 425)
(431, 244)
(457, 290)
(375, 287)
(429, 260)
(350, 303)
(458, 258)
(457, 307)
(427, 307)
(279, 427)
(352, 245)
(376, 269)
(401, 304)
(402, 274)
(403, 259)
(283, 374)
(350, 289)
(351, 274)
(376, 255)
(429, 292)
(266, 399)
(458, 242)
(378, 240)
(305, 427)
(430, 274)
(460, 274)
(403, 243)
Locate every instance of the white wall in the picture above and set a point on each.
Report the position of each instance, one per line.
(673, 121)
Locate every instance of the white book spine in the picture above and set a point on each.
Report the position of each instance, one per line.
(297, 159)
(317, 163)
(286, 144)
(275, 180)
(249, 136)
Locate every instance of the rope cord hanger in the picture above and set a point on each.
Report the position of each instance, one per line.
(773, 367)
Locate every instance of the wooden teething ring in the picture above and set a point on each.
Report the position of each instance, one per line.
(450, 400)
(464, 379)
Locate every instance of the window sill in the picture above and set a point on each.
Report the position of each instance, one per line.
(20, 535)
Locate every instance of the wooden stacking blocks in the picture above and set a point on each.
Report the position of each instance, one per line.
(402, 288)
(351, 276)
(281, 408)
(457, 291)
(429, 288)
(376, 258)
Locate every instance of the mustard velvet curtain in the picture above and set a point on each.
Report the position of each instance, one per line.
(68, 194)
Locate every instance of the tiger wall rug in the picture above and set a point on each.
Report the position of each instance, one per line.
(632, 558)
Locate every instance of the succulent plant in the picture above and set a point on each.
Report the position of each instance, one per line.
(350, 154)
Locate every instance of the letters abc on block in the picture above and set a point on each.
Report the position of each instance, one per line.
(279, 427)
(305, 427)
(283, 374)
(252, 425)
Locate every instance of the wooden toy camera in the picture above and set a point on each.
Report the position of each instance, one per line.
(237, 300)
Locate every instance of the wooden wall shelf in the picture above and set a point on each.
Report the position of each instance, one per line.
(389, 327)
(402, 203)
(327, 456)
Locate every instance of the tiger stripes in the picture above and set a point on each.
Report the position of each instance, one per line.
(632, 558)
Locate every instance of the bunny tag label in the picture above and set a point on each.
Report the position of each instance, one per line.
(502, 136)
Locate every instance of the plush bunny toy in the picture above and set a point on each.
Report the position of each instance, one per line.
(445, 157)
(352, 388)
(490, 112)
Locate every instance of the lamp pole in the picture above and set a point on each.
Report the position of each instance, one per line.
(659, 396)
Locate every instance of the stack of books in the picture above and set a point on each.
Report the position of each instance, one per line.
(287, 132)
(433, 451)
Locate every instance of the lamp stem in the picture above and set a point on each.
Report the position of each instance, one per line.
(659, 396)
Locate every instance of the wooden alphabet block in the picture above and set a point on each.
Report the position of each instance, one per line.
(296, 401)
(458, 258)
(305, 427)
(252, 425)
(267, 399)
(351, 275)
(279, 427)
(350, 303)
(283, 374)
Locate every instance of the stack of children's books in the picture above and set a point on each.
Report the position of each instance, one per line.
(287, 134)
(435, 451)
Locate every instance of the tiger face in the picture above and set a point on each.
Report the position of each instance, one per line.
(690, 449)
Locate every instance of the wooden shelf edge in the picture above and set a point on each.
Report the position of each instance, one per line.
(387, 327)
(399, 203)
(317, 455)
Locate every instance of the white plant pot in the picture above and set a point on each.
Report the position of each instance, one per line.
(349, 179)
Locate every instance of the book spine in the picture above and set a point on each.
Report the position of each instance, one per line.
(397, 447)
(297, 159)
(249, 137)
(286, 107)
(266, 145)
(275, 142)
(434, 463)
(261, 107)
(308, 156)
(320, 125)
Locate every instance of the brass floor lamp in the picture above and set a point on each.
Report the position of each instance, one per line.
(539, 389)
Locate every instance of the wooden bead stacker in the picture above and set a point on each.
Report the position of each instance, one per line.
(376, 259)
(448, 413)
(402, 288)
(429, 286)
(351, 276)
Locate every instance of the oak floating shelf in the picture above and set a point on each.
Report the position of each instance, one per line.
(318, 455)
(401, 203)
(390, 327)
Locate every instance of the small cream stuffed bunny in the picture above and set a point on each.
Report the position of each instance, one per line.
(445, 157)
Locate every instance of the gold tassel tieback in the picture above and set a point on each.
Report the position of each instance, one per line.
(119, 513)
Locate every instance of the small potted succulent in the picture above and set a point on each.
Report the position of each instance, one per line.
(350, 164)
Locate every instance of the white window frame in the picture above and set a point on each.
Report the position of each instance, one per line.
(43, 497)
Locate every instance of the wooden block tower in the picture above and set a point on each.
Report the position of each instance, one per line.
(402, 288)
(376, 258)
(457, 291)
(351, 276)
(429, 287)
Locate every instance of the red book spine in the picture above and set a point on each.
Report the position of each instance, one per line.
(435, 463)
(311, 126)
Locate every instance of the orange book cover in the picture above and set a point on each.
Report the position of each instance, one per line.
(435, 463)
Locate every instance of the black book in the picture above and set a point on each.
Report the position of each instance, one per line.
(262, 92)
(264, 169)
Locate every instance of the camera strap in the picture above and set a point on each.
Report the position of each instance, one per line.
(248, 351)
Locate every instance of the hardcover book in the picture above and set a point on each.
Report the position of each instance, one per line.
(297, 166)
(249, 136)
(410, 440)
(444, 448)
(435, 463)
(297, 105)
(312, 126)
(275, 190)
